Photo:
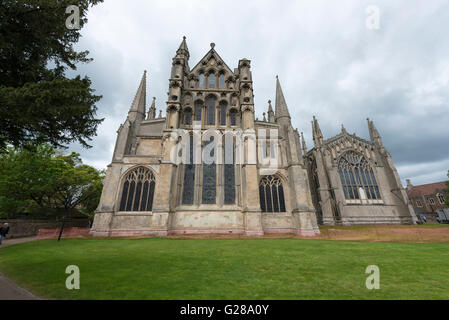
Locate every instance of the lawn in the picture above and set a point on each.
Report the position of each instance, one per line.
(229, 268)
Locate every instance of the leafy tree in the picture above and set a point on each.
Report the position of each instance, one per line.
(38, 103)
(47, 180)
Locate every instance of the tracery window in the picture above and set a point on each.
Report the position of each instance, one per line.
(357, 177)
(440, 198)
(138, 190)
(271, 193)
(210, 102)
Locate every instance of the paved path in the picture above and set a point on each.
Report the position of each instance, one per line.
(8, 289)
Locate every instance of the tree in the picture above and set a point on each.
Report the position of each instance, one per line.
(48, 180)
(38, 103)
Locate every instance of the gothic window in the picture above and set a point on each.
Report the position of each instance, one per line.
(138, 190)
(229, 173)
(271, 193)
(233, 115)
(211, 80)
(223, 106)
(198, 110)
(440, 198)
(221, 81)
(189, 176)
(188, 117)
(202, 83)
(418, 203)
(431, 201)
(210, 102)
(357, 177)
(209, 192)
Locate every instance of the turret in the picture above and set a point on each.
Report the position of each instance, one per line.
(246, 94)
(152, 110)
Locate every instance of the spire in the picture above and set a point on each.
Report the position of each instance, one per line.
(343, 130)
(152, 110)
(373, 133)
(270, 112)
(137, 109)
(281, 105)
(317, 135)
(303, 144)
(183, 50)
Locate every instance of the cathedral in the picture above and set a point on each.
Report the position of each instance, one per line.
(211, 167)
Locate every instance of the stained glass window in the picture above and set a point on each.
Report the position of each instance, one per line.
(189, 177)
(229, 173)
(188, 116)
(209, 192)
(223, 113)
(211, 80)
(357, 177)
(271, 193)
(210, 110)
(138, 190)
(222, 81)
(198, 110)
(233, 115)
(202, 84)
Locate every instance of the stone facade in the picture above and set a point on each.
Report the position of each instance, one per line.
(266, 189)
(354, 181)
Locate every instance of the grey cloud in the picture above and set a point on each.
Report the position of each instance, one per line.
(330, 65)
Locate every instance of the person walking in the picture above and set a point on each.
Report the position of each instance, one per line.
(424, 218)
(3, 231)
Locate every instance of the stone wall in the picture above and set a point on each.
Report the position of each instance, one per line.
(26, 228)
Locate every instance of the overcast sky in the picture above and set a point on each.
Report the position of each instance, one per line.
(329, 62)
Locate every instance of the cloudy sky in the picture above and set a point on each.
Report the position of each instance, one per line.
(330, 64)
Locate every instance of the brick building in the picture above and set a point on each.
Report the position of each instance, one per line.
(427, 198)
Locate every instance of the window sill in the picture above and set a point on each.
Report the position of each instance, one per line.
(364, 202)
(134, 213)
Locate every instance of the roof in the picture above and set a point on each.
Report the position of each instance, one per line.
(427, 189)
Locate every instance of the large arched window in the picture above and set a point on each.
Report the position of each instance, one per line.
(138, 190)
(357, 177)
(210, 103)
(271, 194)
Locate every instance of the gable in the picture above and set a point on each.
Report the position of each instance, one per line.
(211, 62)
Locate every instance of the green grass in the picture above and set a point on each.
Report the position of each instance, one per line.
(229, 269)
